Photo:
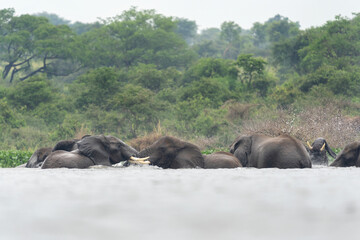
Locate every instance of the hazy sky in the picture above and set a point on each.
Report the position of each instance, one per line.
(206, 13)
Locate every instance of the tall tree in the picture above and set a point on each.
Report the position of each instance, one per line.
(137, 37)
(27, 39)
(230, 33)
(53, 18)
(251, 67)
(186, 29)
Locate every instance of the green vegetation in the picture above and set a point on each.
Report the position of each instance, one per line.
(13, 158)
(140, 71)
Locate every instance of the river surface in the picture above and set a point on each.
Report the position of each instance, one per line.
(151, 203)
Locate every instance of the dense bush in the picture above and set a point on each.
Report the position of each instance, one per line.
(13, 158)
(31, 92)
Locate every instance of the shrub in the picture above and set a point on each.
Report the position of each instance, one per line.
(13, 158)
(307, 124)
(31, 92)
(140, 143)
(8, 116)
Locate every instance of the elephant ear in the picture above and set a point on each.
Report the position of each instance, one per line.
(235, 144)
(241, 148)
(66, 145)
(96, 148)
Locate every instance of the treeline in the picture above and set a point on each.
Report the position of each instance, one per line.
(141, 71)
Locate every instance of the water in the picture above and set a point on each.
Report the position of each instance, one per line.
(152, 203)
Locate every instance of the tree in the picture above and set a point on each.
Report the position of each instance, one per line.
(209, 34)
(230, 33)
(333, 44)
(207, 88)
(251, 67)
(259, 33)
(8, 117)
(208, 43)
(186, 29)
(53, 18)
(136, 37)
(96, 87)
(280, 28)
(274, 31)
(81, 28)
(31, 93)
(27, 39)
(208, 68)
(151, 78)
(5, 17)
(138, 106)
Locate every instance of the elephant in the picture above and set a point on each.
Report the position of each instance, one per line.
(221, 160)
(262, 151)
(349, 156)
(171, 152)
(91, 150)
(38, 157)
(317, 151)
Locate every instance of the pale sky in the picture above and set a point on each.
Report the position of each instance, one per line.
(206, 13)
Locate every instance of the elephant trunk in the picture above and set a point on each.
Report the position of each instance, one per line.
(128, 151)
(145, 152)
(330, 151)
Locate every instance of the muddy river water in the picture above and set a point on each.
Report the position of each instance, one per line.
(151, 203)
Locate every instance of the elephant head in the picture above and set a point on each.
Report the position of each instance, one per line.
(91, 150)
(38, 157)
(263, 151)
(105, 150)
(241, 148)
(317, 151)
(170, 152)
(349, 156)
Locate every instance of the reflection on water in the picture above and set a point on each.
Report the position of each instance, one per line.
(152, 203)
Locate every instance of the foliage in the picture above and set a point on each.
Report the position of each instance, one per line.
(207, 88)
(251, 67)
(95, 87)
(230, 33)
(68, 128)
(31, 93)
(148, 76)
(186, 29)
(138, 106)
(13, 158)
(209, 68)
(8, 117)
(136, 37)
(26, 39)
(209, 122)
(53, 18)
(275, 29)
(285, 95)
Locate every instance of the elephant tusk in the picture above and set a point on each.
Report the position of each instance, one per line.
(322, 148)
(309, 145)
(139, 159)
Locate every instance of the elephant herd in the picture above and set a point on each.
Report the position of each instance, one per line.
(258, 151)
